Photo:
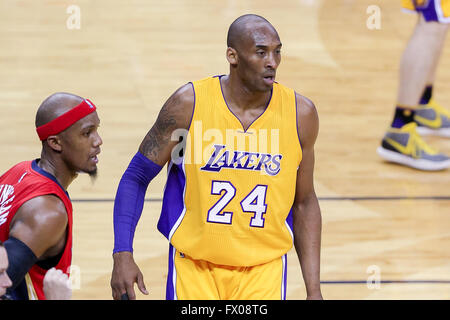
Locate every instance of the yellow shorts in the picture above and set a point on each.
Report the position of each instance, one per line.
(190, 279)
(432, 10)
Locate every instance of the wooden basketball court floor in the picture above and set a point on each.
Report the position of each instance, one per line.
(380, 221)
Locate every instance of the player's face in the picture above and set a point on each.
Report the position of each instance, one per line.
(81, 145)
(259, 58)
(5, 282)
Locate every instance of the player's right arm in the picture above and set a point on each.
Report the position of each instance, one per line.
(154, 152)
(175, 114)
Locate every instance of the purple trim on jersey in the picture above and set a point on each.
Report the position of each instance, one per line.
(173, 201)
(193, 109)
(226, 103)
(46, 174)
(296, 117)
(290, 221)
(170, 287)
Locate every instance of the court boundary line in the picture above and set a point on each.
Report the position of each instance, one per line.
(386, 281)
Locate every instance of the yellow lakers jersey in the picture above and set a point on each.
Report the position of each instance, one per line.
(228, 199)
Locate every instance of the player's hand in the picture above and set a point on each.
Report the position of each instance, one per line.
(125, 273)
(57, 285)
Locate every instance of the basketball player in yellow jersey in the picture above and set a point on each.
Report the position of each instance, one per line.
(233, 205)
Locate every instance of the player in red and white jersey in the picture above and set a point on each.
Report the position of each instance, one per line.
(35, 208)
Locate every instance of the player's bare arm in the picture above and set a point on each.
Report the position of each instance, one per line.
(306, 211)
(41, 223)
(157, 146)
(175, 114)
(38, 232)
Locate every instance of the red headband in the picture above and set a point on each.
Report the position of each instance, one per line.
(65, 120)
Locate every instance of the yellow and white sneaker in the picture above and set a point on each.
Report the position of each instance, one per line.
(433, 119)
(405, 146)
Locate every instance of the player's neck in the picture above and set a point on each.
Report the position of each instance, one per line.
(58, 169)
(238, 95)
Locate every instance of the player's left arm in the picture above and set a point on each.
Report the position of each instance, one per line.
(37, 232)
(307, 219)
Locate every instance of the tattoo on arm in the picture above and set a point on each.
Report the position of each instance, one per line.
(173, 115)
(159, 135)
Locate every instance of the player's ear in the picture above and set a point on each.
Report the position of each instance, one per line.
(232, 56)
(54, 142)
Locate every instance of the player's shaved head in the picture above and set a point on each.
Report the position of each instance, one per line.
(241, 28)
(55, 105)
(67, 146)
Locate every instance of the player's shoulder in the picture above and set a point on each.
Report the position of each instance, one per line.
(307, 120)
(185, 94)
(18, 168)
(305, 106)
(208, 79)
(179, 107)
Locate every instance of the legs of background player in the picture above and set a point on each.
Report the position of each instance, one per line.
(419, 61)
(402, 143)
(431, 117)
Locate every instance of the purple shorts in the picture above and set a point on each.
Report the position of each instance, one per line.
(432, 10)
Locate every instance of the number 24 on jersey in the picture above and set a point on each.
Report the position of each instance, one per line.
(254, 202)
